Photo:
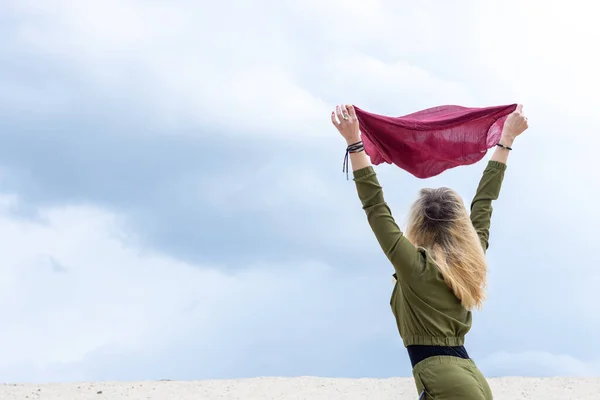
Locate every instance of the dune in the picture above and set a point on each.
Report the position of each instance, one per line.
(301, 388)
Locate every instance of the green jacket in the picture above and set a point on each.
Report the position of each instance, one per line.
(427, 311)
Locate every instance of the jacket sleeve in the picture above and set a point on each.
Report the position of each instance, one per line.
(481, 206)
(401, 253)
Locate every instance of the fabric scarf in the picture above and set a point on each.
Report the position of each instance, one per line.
(428, 142)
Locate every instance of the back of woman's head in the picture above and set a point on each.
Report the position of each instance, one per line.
(439, 222)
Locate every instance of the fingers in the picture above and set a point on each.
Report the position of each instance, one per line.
(338, 113)
(519, 112)
(351, 110)
(334, 120)
(343, 113)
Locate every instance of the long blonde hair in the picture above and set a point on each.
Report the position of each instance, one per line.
(438, 221)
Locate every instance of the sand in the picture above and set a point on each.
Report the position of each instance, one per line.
(305, 388)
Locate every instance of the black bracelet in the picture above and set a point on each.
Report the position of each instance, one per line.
(504, 147)
(353, 148)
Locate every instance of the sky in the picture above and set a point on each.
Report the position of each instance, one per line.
(172, 202)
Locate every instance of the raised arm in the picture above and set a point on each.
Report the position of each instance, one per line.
(401, 253)
(491, 181)
(481, 206)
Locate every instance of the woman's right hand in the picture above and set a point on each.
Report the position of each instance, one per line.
(515, 124)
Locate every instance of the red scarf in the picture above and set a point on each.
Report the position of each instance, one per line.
(428, 142)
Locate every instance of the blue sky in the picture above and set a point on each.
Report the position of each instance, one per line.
(172, 204)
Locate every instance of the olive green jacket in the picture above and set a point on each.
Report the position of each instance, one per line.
(427, 311)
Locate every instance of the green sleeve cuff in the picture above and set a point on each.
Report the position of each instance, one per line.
(363, 172)
(496, 165)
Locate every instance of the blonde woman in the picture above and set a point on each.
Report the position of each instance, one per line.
(440, 265)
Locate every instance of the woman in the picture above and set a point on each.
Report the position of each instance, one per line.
(440, 265)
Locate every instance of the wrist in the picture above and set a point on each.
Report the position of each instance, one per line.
(353, 140)
(507, 140)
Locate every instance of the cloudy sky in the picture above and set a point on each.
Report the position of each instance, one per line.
(172, 204)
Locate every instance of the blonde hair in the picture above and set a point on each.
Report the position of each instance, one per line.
(438, 221)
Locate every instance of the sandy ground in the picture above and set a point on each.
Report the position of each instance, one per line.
(305, 388)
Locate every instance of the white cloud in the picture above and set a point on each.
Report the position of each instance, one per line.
(538, 363)
(265, 69)
(188, 61)
(75, 285)
(102, 293)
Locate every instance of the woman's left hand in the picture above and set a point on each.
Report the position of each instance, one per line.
(345, 120)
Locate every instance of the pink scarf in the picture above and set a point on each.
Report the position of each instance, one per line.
(428, 142)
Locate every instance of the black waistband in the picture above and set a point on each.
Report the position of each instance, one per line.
(418, 353)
